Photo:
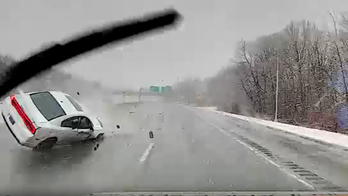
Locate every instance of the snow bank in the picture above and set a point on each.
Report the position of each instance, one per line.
(315, 134)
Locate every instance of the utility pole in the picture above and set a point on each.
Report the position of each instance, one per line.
(277, 89)
(140, 94)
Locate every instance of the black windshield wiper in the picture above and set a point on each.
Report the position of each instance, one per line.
(81, 44)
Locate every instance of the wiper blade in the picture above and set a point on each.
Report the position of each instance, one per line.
(60, 52)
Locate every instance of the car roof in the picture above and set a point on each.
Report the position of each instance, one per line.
(66, 105)
(63, 101)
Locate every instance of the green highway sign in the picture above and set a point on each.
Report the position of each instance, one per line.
(155, 89)
(166, 89)
(162, 89)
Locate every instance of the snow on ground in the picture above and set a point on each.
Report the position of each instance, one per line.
(316, 134)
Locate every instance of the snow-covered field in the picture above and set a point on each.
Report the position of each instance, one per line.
(316, 134)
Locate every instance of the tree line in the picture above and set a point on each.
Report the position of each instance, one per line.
(312, 77)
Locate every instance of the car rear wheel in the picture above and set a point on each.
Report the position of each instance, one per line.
(46, 144)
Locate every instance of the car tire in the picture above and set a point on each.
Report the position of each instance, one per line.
(46, 144)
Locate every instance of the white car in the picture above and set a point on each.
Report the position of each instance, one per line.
(42, 119)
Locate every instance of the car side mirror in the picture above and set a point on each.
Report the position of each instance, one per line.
(91, 128)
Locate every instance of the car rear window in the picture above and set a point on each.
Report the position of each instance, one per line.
(74, 103)
(47, 105)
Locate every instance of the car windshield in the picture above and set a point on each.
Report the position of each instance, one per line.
(47, 105)
(233, 95)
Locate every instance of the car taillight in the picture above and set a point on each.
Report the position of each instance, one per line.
(23, 115)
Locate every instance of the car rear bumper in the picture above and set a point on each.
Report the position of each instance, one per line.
(22, 142)
(16, 126)
(9, 128)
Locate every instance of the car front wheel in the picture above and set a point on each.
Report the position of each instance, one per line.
(100, 137)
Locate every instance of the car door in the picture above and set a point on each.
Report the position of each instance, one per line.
(85, 128)
(69, 129)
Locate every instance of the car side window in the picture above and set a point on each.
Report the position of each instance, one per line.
(72, 122)
(85, 123)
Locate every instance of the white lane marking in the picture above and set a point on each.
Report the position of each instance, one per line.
(146, 153)
(275, 164)
(261, 155)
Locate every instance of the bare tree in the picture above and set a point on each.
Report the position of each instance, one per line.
(308, 60)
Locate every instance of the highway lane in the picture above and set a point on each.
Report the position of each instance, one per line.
(192, 150)
(326, 161)
(191, 155)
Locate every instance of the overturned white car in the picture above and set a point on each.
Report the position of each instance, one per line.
(42, 119)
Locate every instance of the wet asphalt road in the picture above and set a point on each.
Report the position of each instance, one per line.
(192, 150)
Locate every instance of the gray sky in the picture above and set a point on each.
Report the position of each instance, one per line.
(200, 47)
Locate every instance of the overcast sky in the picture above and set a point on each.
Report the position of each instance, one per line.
(200, 47)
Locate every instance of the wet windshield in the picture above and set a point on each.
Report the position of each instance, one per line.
(242, 95)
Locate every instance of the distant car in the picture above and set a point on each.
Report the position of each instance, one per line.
(40, 120)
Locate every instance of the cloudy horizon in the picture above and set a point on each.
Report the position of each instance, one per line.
(202, 45)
